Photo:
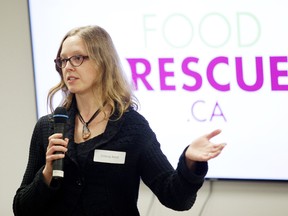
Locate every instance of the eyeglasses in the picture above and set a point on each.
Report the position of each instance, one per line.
(75, 61)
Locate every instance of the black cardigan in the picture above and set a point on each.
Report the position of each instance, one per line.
(103, 188)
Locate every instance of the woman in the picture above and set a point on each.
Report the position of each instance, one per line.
(109, 145)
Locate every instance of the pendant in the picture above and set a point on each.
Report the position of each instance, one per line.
(85, 132)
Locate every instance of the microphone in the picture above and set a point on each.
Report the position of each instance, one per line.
(60, 117)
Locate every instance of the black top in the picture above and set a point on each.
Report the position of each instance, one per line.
(93, 187)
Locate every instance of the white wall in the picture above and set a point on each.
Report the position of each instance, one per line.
(17, 106)
(18, 116)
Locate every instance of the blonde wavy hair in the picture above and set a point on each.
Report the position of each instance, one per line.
(113, 87)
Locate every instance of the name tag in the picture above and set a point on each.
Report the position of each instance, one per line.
(106, 156)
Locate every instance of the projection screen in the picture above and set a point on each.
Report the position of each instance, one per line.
(196, 66)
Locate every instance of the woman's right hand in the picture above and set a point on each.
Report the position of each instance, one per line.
(56, 144)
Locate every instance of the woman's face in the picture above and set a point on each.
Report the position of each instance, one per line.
(79, 80)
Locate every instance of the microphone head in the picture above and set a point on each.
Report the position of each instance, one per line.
(60, 115)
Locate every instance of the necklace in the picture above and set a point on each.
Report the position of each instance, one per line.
(85, 131)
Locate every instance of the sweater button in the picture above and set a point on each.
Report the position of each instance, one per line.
(79, 183)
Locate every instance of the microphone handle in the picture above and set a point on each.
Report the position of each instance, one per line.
(58, 165)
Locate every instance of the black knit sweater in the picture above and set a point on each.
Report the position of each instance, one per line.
(105, 189)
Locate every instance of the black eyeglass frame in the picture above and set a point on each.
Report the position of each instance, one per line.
(61, 61)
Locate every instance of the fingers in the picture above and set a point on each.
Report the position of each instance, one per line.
(213, 134)
(202, 149)
(217, 147)
(56, 139)
(56, 144)
(215, 150)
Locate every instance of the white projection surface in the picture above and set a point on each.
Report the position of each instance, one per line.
(197, 66)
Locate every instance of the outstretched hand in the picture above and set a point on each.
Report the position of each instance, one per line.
(202, 149)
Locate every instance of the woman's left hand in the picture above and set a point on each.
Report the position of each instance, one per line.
(202, 149)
